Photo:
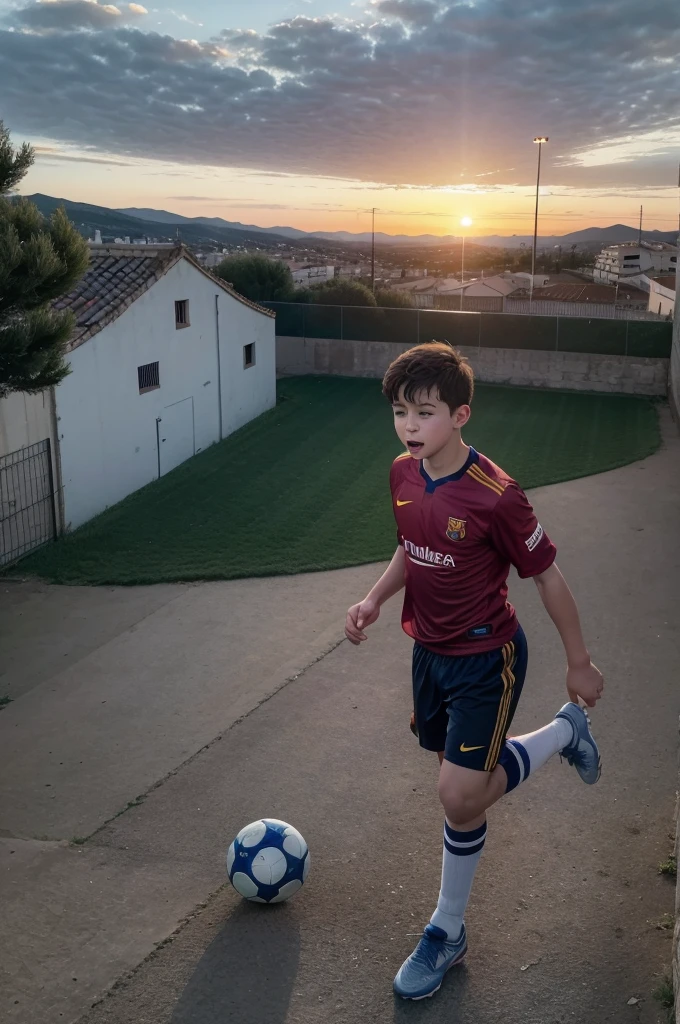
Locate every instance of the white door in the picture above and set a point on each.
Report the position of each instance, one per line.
(175, 435)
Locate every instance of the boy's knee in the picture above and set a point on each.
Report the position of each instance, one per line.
(459, 807)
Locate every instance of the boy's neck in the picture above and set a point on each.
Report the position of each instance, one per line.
(448, 459)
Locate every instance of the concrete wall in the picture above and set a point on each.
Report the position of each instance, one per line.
(535, 368)
(24, 420)
(108, 430)
(661, 300)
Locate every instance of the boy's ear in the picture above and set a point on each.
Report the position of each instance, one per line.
(461, 416)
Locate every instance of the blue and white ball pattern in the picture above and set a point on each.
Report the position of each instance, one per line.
(268, 861)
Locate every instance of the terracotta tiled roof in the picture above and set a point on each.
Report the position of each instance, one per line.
(668, 281)
(587, 292)
(120, 274)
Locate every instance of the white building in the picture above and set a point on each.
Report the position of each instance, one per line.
(353, 270)
(617, 262)
(312, 275)
(522, 279)
(210, 260)
(662, 295)
(165, 360)
(433, 291)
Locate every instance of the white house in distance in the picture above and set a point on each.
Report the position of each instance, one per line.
(447, 291)
(305, 274)
(165, 360)
(617, 262)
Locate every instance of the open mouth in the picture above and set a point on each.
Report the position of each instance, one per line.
(414, 446)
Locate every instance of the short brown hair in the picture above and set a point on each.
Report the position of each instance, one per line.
(434, 366)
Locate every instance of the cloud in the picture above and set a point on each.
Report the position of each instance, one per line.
(424, 92)
(414, 12)
(51, 153)
(243, 203)
(185, 18)
(65, 15)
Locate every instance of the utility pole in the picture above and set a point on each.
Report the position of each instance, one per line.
(640, 231)
(373, 251)
(540, 139)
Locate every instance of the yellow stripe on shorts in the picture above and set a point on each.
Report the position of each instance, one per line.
(503, 708)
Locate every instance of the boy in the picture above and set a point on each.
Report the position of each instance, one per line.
(461, 523)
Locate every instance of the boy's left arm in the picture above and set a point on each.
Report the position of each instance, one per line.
(516, 532)
(584, 680)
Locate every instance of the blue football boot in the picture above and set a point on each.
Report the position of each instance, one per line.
(582, 752)
(422, 974)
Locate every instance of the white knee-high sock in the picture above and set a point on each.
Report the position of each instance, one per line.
(462, 851)
(523, 755)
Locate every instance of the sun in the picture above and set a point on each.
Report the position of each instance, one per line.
(466, 222)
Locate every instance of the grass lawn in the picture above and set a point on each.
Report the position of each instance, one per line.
(305, 487)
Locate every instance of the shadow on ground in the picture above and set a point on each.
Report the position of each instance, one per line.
(248, 971)
(413, 1011)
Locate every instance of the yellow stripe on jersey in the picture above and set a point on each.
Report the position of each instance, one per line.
(485, 478)
(504, 707)
(481, 478)
(404, 455)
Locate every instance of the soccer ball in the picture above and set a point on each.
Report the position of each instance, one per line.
(268, 861)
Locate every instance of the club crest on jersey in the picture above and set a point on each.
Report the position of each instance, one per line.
(456, 529)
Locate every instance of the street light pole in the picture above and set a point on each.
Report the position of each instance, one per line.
(465, 223)
(540, 139)
(462, 272)
(373, 251)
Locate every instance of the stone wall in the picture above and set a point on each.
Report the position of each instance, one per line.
(527, 367)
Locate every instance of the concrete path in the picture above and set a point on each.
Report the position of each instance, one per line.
(567, 888)
(123, 685)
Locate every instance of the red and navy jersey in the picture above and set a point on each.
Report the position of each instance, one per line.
(460, 535)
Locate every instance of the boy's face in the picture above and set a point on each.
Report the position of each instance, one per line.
(426, 425)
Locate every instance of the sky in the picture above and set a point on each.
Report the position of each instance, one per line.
(309, 113)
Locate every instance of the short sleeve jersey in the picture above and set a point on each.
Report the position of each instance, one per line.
(460, 536)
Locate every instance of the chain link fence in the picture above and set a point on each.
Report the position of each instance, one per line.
(601, 335)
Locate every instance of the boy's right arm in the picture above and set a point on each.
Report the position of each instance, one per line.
(367, 611)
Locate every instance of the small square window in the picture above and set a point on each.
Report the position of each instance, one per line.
(148, 377)
(248, 355)
(181, 313)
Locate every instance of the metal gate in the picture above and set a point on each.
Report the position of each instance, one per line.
(28, 516)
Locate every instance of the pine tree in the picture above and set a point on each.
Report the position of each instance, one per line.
(40, 260)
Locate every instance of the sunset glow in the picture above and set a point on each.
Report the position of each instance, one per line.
(300, 113)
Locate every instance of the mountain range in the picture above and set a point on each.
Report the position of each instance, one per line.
(135, 222)
(613, 233)
(116, 223)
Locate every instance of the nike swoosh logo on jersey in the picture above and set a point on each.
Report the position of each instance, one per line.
(400, 503)
(466, 750)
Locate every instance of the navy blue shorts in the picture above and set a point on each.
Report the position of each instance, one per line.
(464, 704)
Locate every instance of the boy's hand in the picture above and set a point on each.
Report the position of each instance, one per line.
(358, 617)
(585, 682)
